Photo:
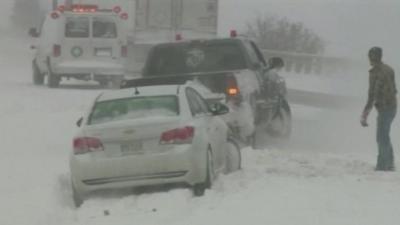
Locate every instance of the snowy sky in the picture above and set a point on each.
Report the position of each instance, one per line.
(349, 26)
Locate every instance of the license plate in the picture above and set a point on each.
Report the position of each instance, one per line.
(132, 147)
(103, 52)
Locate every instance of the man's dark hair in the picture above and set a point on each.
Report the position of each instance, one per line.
(375, 54)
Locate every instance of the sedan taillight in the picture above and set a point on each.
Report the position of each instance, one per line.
(177, 136)
(84, 145)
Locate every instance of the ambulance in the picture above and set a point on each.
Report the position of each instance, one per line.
(81, 42)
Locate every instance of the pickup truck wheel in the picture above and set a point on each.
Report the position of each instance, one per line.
(38, 77)
(281, 124)
(279, 127)
(53, 80)
(199, 189)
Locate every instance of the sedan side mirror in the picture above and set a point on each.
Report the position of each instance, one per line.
(79, 122)
(33, 32)
(218, 109)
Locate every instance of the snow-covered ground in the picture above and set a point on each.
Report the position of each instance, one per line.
(323, 176)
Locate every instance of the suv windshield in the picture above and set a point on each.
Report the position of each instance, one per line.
(134, 108)
(192, 58)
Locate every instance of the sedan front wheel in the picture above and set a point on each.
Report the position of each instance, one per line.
(233, 157)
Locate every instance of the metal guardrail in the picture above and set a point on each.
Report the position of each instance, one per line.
(299, 63)
(302, 63)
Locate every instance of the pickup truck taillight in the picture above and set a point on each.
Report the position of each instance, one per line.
(124, 51)
(56, 50)
(83, 145)
(232, 87)
(177, 136)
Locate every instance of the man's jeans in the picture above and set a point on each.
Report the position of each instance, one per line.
(384, 123)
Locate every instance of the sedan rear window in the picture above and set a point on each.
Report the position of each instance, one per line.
(134, 108)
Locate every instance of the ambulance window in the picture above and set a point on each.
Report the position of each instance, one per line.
(77, 27)
(104, 28)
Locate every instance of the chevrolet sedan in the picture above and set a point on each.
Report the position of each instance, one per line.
(151, 136)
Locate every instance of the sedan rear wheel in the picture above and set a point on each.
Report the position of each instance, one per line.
(76, 197)
(199, 189)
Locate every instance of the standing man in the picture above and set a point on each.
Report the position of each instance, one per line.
(381, 94)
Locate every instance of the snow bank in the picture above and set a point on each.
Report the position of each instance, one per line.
(323, 176)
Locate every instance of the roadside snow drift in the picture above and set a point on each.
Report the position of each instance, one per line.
(323, 176)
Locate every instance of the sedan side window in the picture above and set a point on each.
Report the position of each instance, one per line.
(202, 102)
(196, 103)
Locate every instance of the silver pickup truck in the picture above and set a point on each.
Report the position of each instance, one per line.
(233, 68)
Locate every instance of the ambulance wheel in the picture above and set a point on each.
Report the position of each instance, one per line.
(53, 80)
(38, 77)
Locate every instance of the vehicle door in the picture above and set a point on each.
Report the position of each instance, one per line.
(107, 43)
(257, 61)
(77, 44)
(49, 36)
(216, 129)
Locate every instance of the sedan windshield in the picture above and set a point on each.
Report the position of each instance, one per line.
(134, 108)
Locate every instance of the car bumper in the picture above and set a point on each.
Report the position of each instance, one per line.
(88, 68)
(178, 165)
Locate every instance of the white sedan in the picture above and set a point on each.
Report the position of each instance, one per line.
(151, 136)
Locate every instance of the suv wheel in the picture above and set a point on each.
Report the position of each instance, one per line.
(38, 77)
